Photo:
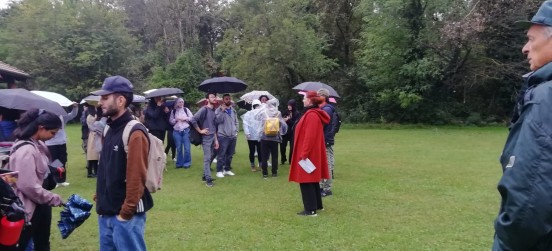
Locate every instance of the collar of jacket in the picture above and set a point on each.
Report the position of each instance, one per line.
(121, 121)
(541, 75)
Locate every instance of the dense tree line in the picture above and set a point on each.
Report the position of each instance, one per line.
(406, 61)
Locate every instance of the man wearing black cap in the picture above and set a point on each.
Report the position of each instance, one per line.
(121, 197)
(524, 221)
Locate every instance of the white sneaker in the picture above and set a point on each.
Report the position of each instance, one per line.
(230, 173)
(220, 175)
(269, 164)
(64, 184)
(214, 160)
(174, 159)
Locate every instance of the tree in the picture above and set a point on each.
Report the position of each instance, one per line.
(68, 46)
(273, 45)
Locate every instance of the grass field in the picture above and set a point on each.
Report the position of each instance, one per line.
(395, 189)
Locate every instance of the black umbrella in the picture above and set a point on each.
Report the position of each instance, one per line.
(76, 211)
(315, 86)
(164, 92)
(22, 99)
(222, 85)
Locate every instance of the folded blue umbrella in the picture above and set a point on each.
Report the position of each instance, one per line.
(76, 211)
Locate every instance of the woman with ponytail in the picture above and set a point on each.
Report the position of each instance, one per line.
(309, 144)
(30, 157)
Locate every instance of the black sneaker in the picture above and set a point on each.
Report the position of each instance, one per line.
(326, 193)
(274, 175)
(307, 213)
(203, 179)
(210, 183)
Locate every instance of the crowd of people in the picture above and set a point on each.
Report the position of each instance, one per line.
(120, 178)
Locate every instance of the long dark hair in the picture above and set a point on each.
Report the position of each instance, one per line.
(29, 122)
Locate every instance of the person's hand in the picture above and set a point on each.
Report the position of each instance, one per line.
(166, 109)
(248, 135)
(216, 145)
(94, 197)
(75, 104)
(204, 131)
(119, 218)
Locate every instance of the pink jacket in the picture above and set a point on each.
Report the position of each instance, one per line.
(31, 160)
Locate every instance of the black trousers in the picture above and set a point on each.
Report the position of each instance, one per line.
(39, 230)
(269, 148)
(170, 144)
(312, 199)
(283, 146)
(254, 145)
(160, 134)
(59, 152)
(92, 167)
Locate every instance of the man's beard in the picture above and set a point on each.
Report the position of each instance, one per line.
(110, 111)
(228, 104)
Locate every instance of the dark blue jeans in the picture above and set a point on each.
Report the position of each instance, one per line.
(227, 148)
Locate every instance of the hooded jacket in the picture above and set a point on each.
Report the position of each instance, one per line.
(309, 143)
(270, 110)
(524, 222)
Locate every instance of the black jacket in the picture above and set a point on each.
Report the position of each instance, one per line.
(155, 117)
(111, 180)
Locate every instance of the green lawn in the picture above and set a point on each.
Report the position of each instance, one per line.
(395, 189)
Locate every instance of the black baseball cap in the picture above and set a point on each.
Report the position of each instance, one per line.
(114, 84)
(542, 17)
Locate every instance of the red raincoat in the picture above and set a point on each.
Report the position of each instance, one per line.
(309, 143)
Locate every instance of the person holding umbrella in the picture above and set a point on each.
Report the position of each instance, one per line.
(227, 123)
(31, 159)
(156, 117)
(309, 145)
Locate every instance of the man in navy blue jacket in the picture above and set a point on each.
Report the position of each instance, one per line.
(524, 221)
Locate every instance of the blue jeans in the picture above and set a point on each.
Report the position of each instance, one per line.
(117, 235)
(182, 138)
(227, 148)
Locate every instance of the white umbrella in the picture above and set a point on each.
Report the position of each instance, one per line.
(252, 95)
(56, 97)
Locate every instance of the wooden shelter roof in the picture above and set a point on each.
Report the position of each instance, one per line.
(9, 73)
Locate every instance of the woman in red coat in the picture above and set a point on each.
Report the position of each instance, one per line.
(309, 144)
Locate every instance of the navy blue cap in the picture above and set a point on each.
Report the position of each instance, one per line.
(543, 16)
(114, 84)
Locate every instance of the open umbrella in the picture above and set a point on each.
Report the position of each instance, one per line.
(22, 99)
(94, 100)
(315, 86)
(252, 95)
(149, 91)
(164, 92)
(56, 97)
(76, 211)
(222, 85)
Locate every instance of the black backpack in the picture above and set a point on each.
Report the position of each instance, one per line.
(335, 119)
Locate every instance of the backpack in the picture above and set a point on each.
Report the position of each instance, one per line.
(50, 182)
(196, 138)
(272, 125)
(157, 159)
(335, 120)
